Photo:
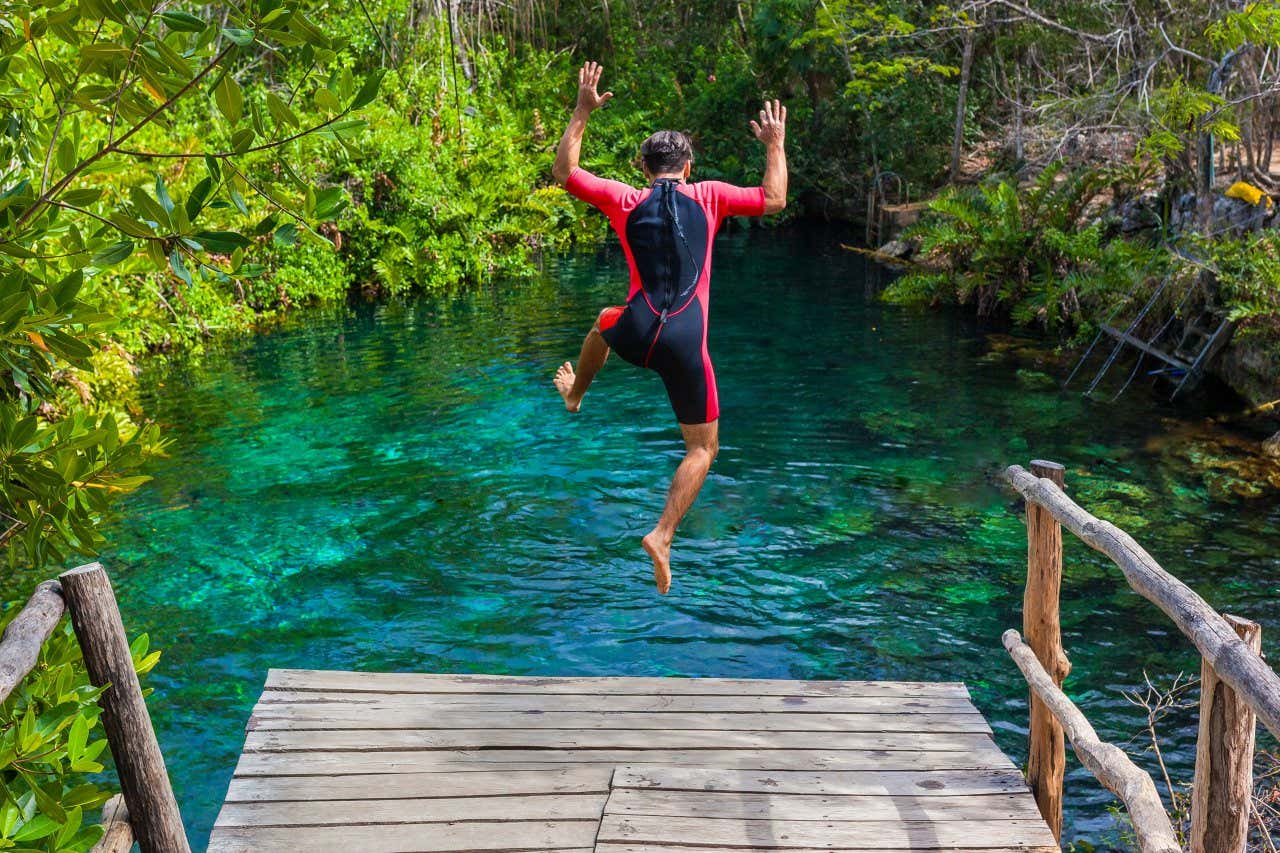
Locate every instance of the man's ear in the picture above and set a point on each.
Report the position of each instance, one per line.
(688, 168)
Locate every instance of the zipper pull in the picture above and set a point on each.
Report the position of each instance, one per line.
(663, 318)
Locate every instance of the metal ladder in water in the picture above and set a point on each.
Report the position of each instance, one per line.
(1199, 341)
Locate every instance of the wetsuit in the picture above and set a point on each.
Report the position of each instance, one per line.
(666, 232)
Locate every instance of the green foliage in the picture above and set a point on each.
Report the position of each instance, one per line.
(98, 205)
(1248, 277)
(873, 41)
(1023, 253)
(1180, 113)
(50, 746)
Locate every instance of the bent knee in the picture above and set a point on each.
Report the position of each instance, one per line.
(710, 449)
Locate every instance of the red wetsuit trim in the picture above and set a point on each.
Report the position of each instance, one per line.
(609, 317)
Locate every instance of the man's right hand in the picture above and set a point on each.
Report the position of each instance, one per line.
(772, 127)
(588, 78)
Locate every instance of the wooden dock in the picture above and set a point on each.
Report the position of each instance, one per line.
(373, 763)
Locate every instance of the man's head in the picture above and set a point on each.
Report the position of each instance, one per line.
(667, 152)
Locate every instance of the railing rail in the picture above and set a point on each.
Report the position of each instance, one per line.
(1105, 761)
(1236, 664)
(1237, 682)
(26, 634)
(150, 811)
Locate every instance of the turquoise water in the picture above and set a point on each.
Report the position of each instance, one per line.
(399, 488)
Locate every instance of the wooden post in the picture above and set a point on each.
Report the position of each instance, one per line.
(1223, 785)
(1047, 756)
(153, 811)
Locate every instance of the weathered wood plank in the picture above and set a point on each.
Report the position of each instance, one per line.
(937, 783)
(337, 716)
(569, 740)
(358, 762)
(647, 703)
(779, 834)
(480, 783)
(398, 682)
(511, 837)
(467, 763)
(793, 806)
(555, 807)
(610, 847)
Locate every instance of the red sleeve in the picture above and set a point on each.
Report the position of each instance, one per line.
(735, 201)
(603, 193)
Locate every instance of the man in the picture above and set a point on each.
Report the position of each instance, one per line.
(666, 230)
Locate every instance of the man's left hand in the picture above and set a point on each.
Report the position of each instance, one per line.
(772, 127)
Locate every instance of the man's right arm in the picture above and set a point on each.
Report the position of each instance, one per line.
(571, 142)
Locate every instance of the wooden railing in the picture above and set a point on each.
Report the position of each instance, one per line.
(149, 812)
(1237, 688)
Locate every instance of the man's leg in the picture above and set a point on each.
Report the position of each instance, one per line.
(702, 443)
(573, 385)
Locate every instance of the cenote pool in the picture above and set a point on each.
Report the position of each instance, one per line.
(399, 488)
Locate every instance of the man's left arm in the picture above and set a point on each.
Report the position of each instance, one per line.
(772, 132)
(589, 100)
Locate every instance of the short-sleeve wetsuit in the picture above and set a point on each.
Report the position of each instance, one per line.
(667, 231)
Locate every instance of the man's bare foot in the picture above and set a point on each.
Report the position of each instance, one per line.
(660, 551)
(564, 384)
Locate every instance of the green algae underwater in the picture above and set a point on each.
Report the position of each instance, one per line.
(397, 487)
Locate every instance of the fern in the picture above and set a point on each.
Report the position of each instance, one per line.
(1022, 253)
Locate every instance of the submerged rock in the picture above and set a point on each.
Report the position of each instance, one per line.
(1230, 465)
(901, 249)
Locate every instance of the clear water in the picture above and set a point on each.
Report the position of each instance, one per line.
(398, 488)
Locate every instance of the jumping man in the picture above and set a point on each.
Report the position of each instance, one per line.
(666, 230)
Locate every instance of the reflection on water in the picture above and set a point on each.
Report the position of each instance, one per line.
(400, 489)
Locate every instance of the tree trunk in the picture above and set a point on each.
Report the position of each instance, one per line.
(966, 68)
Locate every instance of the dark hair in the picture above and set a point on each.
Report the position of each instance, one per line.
(666, 151)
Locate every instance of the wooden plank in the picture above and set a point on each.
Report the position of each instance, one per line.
(463, 702)
(610, 847)
(938, 783)
(359, 762)
(509, 837)
(572, 739)
(404, 682)
(780, 834)
(554, 807)
(792, 806)
(338, 716)
(480, 783)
